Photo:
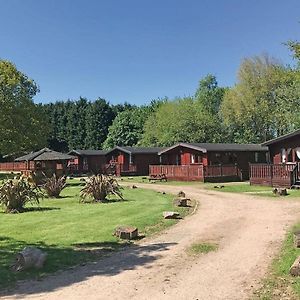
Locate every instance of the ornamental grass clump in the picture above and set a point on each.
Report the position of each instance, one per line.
(98, 187)
(54, 185)
(16, 193)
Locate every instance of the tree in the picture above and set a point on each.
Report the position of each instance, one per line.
(99, 116)
(22, 123)
(264, 103)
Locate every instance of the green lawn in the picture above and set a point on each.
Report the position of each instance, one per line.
(73, 233)
(279, 282)
(245, 187)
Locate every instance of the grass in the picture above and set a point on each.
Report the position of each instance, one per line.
(144, 179)
(256, 190)
(73, 233)
(199, 248)
(279, 284)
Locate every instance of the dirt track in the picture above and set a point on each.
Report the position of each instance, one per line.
(248, 229)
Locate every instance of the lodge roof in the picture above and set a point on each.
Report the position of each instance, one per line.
(88, 152)
(282, 138)
(137, 150)
(206, 147)
(44, 154)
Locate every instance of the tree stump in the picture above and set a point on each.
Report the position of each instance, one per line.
(171, 215)
(295, 268)
(182, 202)
(134, 187)
(280, 191)
(297, 239)
(126, 232)
(29, 257)
(181, 194)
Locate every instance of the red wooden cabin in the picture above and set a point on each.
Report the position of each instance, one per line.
(131, 160)
(87, 161)
(208, 161)
(44, 160)
(283, 166)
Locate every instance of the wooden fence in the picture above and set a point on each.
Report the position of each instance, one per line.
(272, 175)
(197, 172)
(12, 166)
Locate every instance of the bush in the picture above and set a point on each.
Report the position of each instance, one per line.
(54, 185)
(98, 187)
(15, 193)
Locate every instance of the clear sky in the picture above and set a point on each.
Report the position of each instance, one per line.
(138, 50)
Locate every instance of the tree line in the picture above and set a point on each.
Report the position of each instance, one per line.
(263, 103)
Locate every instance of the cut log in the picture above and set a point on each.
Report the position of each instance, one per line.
(181, 194)
(134, 187)
(171, 215)
(29, 257)
(295, 268)
(183, 202)
(219, 186)
(126, 232)
(297, 239)
(280, 191)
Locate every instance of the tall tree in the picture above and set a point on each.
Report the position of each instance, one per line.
(22, 123)
(99, 116)
(263, 103)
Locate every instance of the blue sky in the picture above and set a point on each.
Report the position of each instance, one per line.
(139, 50)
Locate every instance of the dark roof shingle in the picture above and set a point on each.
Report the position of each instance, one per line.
(44, 154)
(88, 152)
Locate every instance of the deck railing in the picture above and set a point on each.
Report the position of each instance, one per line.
(195, 172)
(13, 166)
(273, 174)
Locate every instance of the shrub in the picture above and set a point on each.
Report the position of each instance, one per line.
(15, 193)
(98, 187)
(54, 185)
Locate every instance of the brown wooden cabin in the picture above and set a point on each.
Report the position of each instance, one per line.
(283, 166)
(131, 160)
(87, 161)
(44, 161)
(208, 161)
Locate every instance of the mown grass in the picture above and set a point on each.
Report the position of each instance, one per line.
(279, 284)
(204, 247)
(73, 233)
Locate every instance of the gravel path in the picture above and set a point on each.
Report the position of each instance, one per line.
(248, 229)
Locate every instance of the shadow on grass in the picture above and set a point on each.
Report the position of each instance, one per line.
(63, 257)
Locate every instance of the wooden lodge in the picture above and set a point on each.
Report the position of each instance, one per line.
(87, 161)
(45, 160)
(131, 160)
(208, 161)
(283, 167)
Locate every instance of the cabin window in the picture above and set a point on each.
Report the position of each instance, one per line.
(283, 155)
(195, 159)
(130, 159)
(178, 160)
(256, 157)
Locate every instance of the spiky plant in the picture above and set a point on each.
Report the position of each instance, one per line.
(15, 193)
(98, 187)
(54, 185)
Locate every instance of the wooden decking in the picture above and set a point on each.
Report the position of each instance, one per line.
(13, 166)
(284, 175)
(197, 172)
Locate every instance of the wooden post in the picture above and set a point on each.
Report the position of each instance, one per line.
(271, 174)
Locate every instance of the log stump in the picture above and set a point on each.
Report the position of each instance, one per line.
(181, 194)
(171, 215)
(29, 257)
(280, 191)
(297, 239)
(126, 232)
(134, 187)
(295, 268)
(182, 202)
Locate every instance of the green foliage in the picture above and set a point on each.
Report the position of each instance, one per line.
(98, 187)
(22, 123)
(54, 185)
(264, 103)
(15, 193)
